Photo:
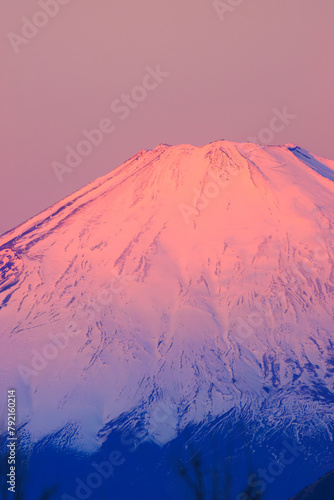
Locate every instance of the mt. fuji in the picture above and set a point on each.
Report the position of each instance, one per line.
(179, 310)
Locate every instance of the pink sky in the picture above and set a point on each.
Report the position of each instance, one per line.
(227, 75)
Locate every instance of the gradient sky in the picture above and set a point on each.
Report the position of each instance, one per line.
(226, 76)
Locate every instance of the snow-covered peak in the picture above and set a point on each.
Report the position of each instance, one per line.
(201, 276)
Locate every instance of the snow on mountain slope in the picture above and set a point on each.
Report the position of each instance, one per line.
(200, 277)
(311, 161)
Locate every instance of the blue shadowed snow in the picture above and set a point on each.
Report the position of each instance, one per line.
(219, 459)
(309, 159)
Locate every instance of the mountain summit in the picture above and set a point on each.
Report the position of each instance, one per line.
(197, 279)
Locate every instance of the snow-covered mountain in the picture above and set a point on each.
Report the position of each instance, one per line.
(189, 284)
